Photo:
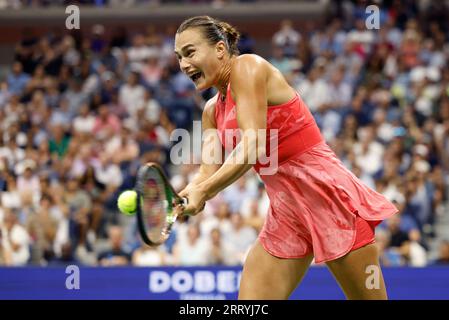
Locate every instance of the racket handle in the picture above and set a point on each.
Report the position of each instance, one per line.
(184, 201)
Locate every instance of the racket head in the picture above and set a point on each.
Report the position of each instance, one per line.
(157, 204)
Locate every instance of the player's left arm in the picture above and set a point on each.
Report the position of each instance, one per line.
(249, 85)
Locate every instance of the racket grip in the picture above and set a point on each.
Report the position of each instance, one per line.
(184, 201)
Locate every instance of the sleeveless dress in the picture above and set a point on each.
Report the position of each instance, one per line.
(317, 206)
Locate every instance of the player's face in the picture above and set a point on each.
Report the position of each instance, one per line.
(197, 58)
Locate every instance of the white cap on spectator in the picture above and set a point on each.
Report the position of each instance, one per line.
(23, 165)
(422, 166)
(421, 150)
(21, 139)
(418, 74)
(433, 74)
(424, 106)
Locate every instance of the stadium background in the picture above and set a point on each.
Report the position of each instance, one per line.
(80, 110)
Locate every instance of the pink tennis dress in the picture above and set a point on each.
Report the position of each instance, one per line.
(317, 206)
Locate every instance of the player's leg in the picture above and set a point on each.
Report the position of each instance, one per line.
(266, 277)
(359, 274)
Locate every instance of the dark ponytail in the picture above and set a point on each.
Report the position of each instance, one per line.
(214, 30)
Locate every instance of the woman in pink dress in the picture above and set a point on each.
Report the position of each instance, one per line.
(318, 209)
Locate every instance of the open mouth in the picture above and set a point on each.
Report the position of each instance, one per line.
(195, 76)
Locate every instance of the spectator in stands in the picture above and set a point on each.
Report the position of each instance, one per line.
(287, 38)
(74, 95)
(139, 52)
(235, 194)
(368, 152)
(388, 256)
(314, 89)
(108, 172)
(67, 257)
(42, 227)
(220, 252)
(443, 255)
(280, 61)
(122, 148)
(151, 71)
(219, 218)
(59, 141)
(84, 122)
(17, 80)
(15, 240)
(5, 93)
(132, 95)
(414, 253)
(105, 123)
(193, 251)
(151, 109)
(28, 182)
(146, 256)
(10, 197)
(397, 236)
(80, 206)
(115, 256)
(240, 237)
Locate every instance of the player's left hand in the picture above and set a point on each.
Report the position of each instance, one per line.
(196, 200)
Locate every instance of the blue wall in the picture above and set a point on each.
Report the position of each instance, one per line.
(202, 283)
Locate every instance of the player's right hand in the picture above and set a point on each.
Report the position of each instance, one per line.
(196, 200)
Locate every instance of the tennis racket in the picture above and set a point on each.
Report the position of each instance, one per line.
(158, 206)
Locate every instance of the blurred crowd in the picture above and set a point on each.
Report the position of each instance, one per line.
(79, 115)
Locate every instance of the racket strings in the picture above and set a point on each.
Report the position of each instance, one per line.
(157, 206)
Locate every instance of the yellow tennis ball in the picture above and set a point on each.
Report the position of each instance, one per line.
(127, 202)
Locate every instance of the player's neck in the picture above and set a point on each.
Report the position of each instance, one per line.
(223, 77)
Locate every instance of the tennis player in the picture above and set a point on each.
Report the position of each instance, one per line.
(318, 208)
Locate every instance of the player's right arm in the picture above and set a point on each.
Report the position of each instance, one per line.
(211, 142)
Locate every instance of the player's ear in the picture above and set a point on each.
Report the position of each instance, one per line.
(220, 49)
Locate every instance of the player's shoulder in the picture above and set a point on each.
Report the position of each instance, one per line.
(250, 60)
(249, 66)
